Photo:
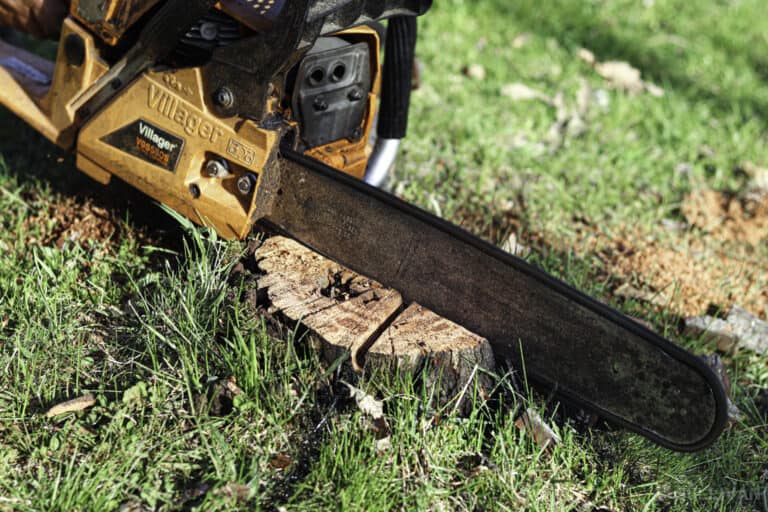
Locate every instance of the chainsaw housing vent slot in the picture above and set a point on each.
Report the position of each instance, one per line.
(331, 91)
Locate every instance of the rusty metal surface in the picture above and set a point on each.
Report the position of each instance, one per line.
(590, 354)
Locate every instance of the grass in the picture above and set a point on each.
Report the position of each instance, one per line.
(150, 332)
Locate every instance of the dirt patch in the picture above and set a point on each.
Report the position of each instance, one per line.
(75, 220)
(105, 215)
(686, 274)
(728, 218)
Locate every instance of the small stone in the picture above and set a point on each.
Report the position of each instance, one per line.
(740, 330)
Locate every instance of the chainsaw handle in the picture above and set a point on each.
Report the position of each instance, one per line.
(399, 54)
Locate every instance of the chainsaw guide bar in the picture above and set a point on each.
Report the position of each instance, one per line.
(589, 354)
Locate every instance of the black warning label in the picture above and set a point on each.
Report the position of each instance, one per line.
(148, 142)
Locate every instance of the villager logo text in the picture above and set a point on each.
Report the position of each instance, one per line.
(148, 142)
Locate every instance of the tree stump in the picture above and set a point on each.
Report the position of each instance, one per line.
(351, 313)
(449, 358)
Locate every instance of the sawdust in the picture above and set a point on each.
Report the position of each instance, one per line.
(688, 274)
(728, 219)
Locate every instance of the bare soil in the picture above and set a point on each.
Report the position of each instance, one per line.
(77, 220)
(715, 261)
(727, 218)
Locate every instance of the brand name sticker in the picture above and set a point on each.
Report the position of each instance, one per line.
(148, 142)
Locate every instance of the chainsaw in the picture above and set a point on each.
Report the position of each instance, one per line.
(288, 113)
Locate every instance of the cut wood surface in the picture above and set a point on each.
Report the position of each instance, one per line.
(343, 308)
(352, 313)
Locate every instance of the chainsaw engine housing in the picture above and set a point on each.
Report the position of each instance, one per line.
(192, 114)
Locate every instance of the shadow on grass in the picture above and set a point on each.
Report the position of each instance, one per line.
(576, 24)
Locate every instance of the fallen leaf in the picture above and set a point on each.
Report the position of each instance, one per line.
(475, 71)
(231, 386)
(621, 75)
(521, 92)
(280, 462)
(512, 246)
(76, 404)
(586, 55)
(531, 423)
(758, 176)
(238, 492)
(520, 40)
(653, 89)
(739, 330)
(367, 404)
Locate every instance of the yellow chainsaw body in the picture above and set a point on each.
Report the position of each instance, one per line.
(159, 132)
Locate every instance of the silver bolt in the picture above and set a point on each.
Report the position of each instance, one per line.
(209, 31)
(355, 94)
(245, 184)
(320, 104)
(224, 97)
(217, 168)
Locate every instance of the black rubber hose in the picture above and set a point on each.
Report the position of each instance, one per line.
(399, 53)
